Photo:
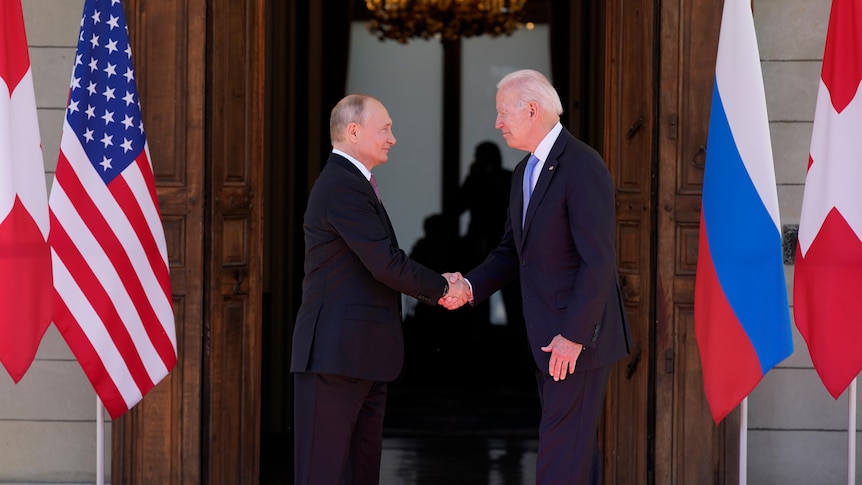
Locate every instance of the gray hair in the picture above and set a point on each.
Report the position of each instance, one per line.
(532, 86)
(351, 109)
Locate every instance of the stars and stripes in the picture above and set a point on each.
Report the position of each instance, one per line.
(25, 260)
(742, 319)
(111, 280)
(103, 111)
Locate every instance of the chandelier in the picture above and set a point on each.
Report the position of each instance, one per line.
(447, 19)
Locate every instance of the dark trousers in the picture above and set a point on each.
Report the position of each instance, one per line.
(568, 432)
(338, 430)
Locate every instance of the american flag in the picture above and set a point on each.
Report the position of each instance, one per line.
(25, 260)
(112, 295)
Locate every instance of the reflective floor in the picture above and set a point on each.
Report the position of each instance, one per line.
(481, 438)
(444, 425)
(446, 460)
(458, 460)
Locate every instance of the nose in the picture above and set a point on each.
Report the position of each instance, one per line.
(498, 123)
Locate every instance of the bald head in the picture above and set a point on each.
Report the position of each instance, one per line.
(361, 127)
(351, 109)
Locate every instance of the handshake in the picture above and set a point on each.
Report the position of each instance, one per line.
(460, 292)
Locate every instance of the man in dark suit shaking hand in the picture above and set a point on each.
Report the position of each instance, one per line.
(347, 341)
(559, 238)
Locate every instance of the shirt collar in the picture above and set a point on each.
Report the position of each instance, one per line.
(365, 171)
(544, 148)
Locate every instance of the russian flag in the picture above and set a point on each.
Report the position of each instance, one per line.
(742, 319)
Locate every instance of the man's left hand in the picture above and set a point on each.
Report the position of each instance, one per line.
(564, 356)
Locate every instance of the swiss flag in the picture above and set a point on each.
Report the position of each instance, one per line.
(25, 258)
(828, 275)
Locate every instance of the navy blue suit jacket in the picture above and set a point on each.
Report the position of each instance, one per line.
(349, 321)
(565, 256)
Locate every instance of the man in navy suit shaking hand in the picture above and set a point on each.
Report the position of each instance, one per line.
(559, 240)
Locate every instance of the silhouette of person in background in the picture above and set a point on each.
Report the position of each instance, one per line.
(434, 249)
(485, 194)
(440, 343)
(431, 334)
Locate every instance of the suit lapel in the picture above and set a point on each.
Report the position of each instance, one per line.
(517, 196)
(543, 182)
(381, 211)
(384, 216)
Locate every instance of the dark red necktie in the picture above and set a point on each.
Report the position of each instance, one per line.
(374, 186)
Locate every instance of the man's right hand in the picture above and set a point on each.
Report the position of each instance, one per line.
(459, 292)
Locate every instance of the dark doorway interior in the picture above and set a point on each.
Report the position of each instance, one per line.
(463, 377)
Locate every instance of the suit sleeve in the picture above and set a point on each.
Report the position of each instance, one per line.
(498, 269)
(354, 216)
(592, 222)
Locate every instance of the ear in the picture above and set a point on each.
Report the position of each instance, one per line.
(533, 110)
(352, 131)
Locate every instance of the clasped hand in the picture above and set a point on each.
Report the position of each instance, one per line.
(459, 292)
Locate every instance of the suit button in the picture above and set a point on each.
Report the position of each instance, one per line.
(523, 262)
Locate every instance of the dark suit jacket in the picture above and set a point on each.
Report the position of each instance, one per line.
(565, 257)
(349, 322)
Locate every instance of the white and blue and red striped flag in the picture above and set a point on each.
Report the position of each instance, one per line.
(112, 292)
(827, 280)
(742, 319)
(25, 260)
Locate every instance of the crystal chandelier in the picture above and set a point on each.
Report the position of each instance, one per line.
(447, 19)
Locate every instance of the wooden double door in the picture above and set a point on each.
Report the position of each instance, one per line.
(235, 106)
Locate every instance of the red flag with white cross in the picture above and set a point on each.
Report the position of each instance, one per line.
(828, 275)
(25, 258)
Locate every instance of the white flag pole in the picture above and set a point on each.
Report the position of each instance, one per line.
(743, 441)
(851, 435)
(100, 442)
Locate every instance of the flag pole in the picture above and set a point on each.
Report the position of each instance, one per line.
(100, 442)
(743, 441)
(851, 435)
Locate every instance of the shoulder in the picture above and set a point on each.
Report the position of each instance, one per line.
(571, 146)
(338, 170)
(580, 161)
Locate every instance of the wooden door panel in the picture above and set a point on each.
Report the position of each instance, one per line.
(629, 150)
(158, 441)
(689, 448)
(234, 282)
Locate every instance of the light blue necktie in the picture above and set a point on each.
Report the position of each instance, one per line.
(528, 185)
